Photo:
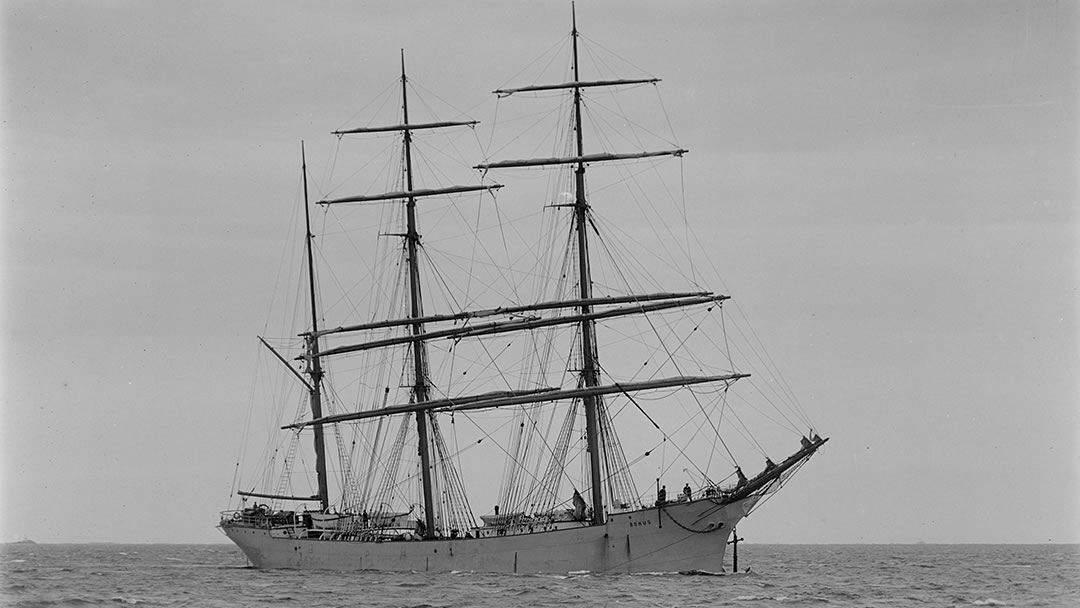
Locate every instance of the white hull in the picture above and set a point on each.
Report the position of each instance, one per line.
(680, 537)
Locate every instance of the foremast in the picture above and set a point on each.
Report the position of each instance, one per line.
(589, 376)
(589, 356)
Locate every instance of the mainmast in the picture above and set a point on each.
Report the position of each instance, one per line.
(416, 312)
(416, 318)
(589, 376)
(312, 344)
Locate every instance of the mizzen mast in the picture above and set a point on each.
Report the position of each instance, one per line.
(312, 345)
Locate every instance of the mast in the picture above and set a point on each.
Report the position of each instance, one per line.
(589, 366)
(312, 344)
(415, 318)
(589, 375)
(419, 348)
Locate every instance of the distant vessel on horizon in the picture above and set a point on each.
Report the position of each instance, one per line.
(401, 386)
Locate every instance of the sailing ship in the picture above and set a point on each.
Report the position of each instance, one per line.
(409, 436)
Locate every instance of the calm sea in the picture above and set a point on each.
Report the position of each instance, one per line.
(781, 575)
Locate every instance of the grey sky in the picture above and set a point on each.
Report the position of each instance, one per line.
(893, 187)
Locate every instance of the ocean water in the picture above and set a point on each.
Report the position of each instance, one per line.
(780, 575)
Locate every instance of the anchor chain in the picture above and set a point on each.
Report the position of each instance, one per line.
(716, 529)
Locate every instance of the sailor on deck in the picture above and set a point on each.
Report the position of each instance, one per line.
(579, 506)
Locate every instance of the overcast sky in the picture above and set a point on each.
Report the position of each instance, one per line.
(891, 189)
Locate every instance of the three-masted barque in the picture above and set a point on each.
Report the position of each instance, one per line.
(399, 496)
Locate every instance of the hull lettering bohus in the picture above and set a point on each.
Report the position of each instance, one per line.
(566, 381)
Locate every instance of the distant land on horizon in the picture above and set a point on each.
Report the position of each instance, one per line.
(914, 543)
